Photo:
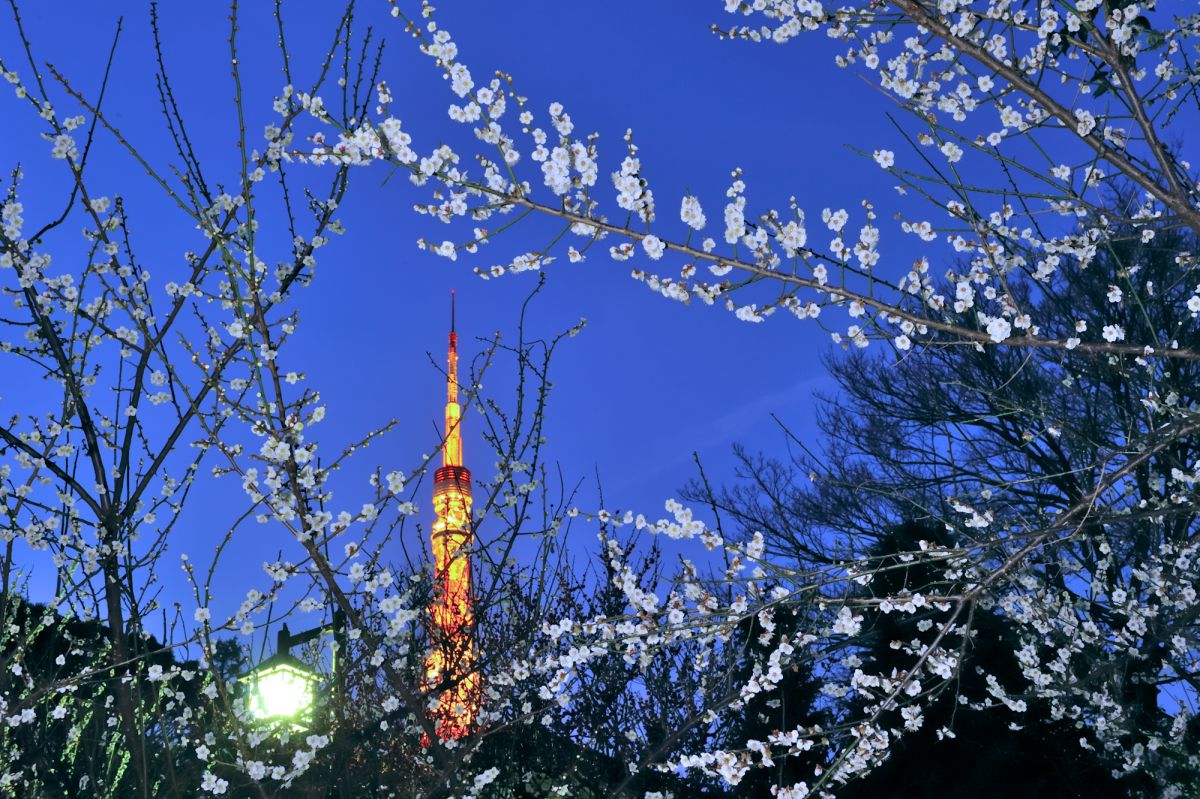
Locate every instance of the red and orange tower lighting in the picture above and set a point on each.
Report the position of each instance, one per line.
(452, 660)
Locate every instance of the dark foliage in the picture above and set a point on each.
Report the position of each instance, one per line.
(69, 748)
(793, 703)
(994, 752)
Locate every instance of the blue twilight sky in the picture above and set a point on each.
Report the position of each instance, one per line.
(649, 381)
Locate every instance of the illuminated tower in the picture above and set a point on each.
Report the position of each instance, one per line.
(452, 659)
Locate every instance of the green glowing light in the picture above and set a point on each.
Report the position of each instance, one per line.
(281, 689)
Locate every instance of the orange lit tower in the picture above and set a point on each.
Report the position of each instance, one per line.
(452, 660)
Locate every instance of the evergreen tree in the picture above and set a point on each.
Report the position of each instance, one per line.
(968, 744)
(793, 703)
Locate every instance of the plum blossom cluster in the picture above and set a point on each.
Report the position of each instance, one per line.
(993, 240)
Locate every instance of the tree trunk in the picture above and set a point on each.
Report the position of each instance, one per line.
(124, 693)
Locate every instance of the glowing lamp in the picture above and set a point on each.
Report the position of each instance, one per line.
(282, 688)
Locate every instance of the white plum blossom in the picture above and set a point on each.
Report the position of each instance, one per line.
(1085, 121)
(653, 246)
(691, 214)
(998, 329)
(952, 151)
(749, 313)
(847, 622)
(793, 237)
(213, 784)
(735, 219)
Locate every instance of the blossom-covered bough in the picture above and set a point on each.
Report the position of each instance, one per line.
(1047, 139)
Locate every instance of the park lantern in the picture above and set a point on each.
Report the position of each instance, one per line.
(283, 688)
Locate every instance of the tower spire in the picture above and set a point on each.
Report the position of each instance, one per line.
(452, 451)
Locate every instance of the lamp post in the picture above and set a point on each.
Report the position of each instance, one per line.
(283, 688)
